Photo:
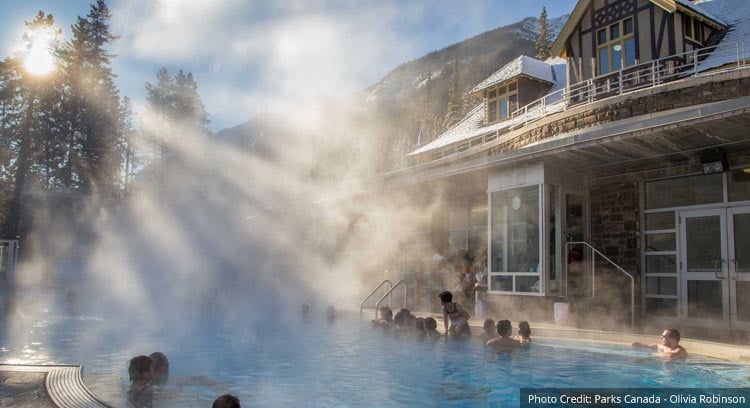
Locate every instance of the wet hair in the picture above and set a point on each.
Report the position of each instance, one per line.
(159, 368)
(504, 328)
(488, 324)
(446, 296)
(419, 323)
(524, 329)
(401, 317)
(430, 323)
(673, 333)
(226, 401)
(464, 329)
(386, 311)
(138, 367)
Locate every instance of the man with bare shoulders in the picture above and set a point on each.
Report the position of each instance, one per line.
(669, 347)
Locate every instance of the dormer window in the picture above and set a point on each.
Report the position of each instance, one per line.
(502, 101)
(615, 46)
(693, 28)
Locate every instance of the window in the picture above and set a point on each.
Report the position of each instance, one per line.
(660, 263)
(515, 240)
(615, 46)
(693, 28)
(684, 191)
(502, 102)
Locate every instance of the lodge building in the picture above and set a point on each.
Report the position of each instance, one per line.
(615, 174)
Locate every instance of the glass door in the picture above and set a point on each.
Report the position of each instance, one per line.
(739, 266)
(704, 268)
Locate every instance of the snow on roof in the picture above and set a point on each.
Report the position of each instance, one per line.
(736, 14)
(471, 125)
(700, 10)
(468, 125)
(521, 65)
(733, 14)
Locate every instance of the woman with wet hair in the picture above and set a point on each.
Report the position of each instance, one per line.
(489, 330)
(140, 394)
(524, 332)
(159, 368)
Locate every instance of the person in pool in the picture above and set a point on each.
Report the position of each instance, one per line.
(386, 318)
(489, 332)
(140, 394)
(524, 332)
(159, 368)
(669, 347)
(504, 342)
(430, 328)
(226, 401)
(454, 314)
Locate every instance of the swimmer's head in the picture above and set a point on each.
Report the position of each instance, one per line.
(504, 328)
(138, 368)
(445, 297)
(430, 323)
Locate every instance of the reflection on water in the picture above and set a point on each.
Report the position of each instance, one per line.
(291, 363)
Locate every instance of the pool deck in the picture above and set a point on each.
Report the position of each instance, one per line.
(62, 386)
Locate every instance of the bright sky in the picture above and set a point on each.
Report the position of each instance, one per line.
(250, 56)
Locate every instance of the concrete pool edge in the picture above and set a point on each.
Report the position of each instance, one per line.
(730, 352)
(63, 383)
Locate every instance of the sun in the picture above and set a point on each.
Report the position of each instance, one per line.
(38, 58)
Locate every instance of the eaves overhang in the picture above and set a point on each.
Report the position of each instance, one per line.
(637, 141)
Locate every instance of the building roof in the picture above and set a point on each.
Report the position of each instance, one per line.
(733, 14)
(671, 6)
(522, 65)
(472, 124)
(736, 13)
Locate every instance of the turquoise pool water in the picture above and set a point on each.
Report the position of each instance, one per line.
(295, 363)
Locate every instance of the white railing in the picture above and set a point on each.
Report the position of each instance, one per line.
(646, 75)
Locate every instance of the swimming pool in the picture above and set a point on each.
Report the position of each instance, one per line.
(293, 363)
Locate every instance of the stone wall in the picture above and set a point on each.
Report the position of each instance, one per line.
(689, 92)
(615, 223)
(615, 231)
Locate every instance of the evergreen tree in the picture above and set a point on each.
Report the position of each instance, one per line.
(92, 105)
(175, 110)
(27, 103)
(543, 42)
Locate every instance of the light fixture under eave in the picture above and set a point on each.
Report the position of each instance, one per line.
(746, 170)
(714, 163)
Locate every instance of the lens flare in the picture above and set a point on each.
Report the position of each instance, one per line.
(38, 58)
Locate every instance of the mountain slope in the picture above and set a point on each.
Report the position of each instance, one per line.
(414, 95)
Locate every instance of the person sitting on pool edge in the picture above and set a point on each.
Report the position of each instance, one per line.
(524, 332)
(140, 394)
(159, 368)
(226, 401)
(504, 342)
(669, 347)
(456, 315)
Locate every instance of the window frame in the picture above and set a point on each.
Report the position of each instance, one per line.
(610, 43)
(691, 23)
(496, 95)
(507, 237)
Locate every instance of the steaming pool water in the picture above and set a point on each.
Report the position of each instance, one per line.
(294, 363)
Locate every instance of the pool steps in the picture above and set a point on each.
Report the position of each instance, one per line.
(64, 384)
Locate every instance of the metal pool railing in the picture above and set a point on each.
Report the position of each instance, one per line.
(593, 275)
